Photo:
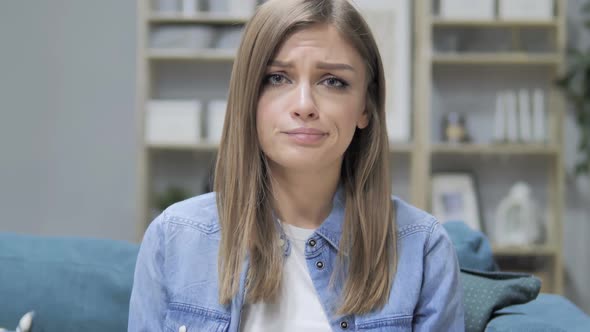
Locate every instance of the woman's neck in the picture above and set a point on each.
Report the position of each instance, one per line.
(304, 199)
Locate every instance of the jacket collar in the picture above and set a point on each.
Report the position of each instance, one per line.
(331, 228)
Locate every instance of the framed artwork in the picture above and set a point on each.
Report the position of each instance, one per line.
(390, 23)
(454, 198)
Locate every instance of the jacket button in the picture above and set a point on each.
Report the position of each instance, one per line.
(311, 243)
(344, 325)
(182, 329)
(319, 265)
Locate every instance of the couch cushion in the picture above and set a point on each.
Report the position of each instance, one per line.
(548, 313)
(72, 284)
(487, 292)
(472, 247)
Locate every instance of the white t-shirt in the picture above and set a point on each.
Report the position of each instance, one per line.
(298, 308)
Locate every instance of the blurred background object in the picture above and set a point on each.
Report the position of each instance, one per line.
(576, 85)
(480, 60)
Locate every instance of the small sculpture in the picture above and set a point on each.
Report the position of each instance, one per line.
(517, 218)
(454, 130)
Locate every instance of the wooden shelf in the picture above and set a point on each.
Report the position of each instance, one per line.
(198, 18)
(217, 55)
(548, 158)
(495, 59)
(533, 250)
(440, 59)
(495, 149)
(498, 23)
(422, 152)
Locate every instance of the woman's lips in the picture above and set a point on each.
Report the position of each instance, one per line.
(306, 136)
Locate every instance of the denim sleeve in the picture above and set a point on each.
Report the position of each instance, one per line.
(440, 307)
(147, 308)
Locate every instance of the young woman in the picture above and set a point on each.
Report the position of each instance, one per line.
(302, 233)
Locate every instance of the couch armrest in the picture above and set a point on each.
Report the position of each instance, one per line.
(548, 313)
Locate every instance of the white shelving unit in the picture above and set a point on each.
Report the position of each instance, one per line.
(154, 66)
(540, 160)
(413, 162)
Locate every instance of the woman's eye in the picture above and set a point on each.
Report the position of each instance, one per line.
(335, 83)
(275, 79)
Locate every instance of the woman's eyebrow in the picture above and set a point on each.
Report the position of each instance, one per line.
(278, 63)
(319, 65)
(334, 66)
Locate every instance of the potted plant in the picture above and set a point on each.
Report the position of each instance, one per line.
(576, 86)
(170, 196)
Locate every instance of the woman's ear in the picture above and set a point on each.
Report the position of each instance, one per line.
(363, 121)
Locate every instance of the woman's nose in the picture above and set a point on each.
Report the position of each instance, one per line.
(305, 107)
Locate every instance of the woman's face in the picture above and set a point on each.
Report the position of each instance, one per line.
(312, 100)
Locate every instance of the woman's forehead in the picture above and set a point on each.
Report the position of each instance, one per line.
(322, 39)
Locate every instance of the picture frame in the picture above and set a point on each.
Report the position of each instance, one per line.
(454, 197)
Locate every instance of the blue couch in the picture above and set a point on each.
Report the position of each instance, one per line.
(520, 311)
(77, 284)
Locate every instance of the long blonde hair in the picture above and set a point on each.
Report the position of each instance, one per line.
(367, 246)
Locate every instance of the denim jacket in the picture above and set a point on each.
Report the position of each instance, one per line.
(176, 278)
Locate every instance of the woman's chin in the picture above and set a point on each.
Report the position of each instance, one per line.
(308, 163)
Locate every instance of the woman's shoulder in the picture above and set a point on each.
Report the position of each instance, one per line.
(410, 219)
(182, 245)
(198, 212)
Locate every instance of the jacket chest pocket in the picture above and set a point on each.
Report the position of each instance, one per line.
(398, 324)
(188, 318)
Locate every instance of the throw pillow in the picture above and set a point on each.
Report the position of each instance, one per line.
(487, 292)
(473, 248)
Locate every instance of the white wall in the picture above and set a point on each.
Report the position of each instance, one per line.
(67, 128)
